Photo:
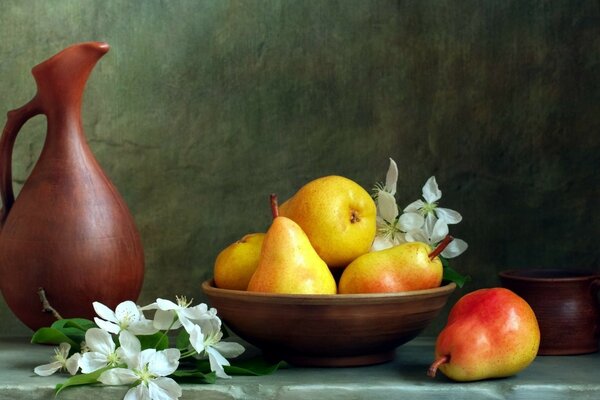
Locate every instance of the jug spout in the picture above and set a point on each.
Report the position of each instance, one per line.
(61, 79)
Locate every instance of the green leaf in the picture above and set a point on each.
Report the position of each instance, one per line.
(77, 323)
(256, 366)
(183, 340)
(158, 341)
(454, 276)
(73, 328)
(53, 336)
(194, 376)
(81, 379)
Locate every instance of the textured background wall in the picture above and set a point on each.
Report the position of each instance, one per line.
(202, 108)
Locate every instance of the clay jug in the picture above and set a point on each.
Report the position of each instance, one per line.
(69, 231)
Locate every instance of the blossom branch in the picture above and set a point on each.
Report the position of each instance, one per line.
(46, 307)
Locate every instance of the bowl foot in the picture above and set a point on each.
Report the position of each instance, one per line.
(336, 361)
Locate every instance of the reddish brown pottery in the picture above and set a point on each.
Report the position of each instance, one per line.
(69, 231)
(566, 306)
(337, 330)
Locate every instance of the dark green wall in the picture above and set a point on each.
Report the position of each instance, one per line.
(202, 108)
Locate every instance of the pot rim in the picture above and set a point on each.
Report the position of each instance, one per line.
(549, 275)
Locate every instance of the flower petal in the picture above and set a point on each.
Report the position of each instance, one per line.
(64, 349)
(118, 376)
(47, 369)
(197, 339)
(448, 216)
(440, 230)
(229, 349)
(164, 319)
(139, 392)
(146, 357)
(104, 312)
(216, 361)
(431, 192)
(100, 341)
(164, 362)
(127, 310)
(391, 178)
(143, 327)
(164, 389)
(130, 349)
(414, 207)
(430, 221)
(107, 326)
(151, 306)
(92, 361)
(381, 243)
(196, 313)
(417, 235)
(455, 248)
(72, 364)
(410, 221)
(167, 305)
(387, 207)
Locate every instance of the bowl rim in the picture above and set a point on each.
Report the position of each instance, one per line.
(210, 289)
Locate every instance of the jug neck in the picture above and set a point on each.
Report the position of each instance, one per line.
(61, 79)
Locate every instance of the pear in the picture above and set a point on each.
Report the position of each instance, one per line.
(337, 215)
(235, 265)
(289, 264)
(491, 333)
(408, 266)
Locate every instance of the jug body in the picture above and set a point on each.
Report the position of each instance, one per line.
(69, 231)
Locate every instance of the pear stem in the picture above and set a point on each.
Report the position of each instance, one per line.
(436, 364)
(440, 247)
(274, 206)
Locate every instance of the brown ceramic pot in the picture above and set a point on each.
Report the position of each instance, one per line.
(328, 330)
(566, 306)
(69, 231)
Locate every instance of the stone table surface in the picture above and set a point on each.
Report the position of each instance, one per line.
(548, 378)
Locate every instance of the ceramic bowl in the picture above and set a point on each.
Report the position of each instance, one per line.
(328, 330)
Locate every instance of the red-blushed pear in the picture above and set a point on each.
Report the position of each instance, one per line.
(337, 215)
(288, 263)
(408, 266)
(491, 333)
(236, 263)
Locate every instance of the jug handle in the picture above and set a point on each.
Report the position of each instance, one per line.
(14, 122)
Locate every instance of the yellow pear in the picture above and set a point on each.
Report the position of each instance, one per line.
(289, 264)
(338, 216)
(236, 263)
(408, 266)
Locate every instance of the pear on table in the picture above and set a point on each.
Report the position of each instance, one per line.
(491, 333)
(337, 215)
(288, 263)
(408, 266)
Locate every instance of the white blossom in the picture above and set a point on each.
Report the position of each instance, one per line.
(126, 317)
(147, 370)
(433, 232)
(429, 208)
(170, 315)
(205, 338)
(60, 360)
(391, 227)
